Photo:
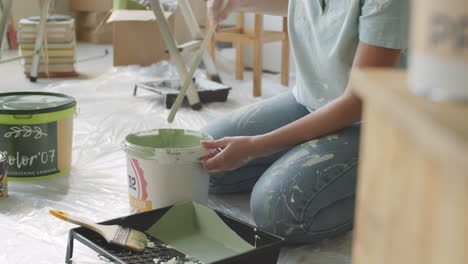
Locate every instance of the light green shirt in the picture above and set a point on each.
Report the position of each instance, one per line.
(325, 35)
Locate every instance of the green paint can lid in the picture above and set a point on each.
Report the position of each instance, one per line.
(18, 103)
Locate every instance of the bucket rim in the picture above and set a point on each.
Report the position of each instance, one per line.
(131, 147)
(66, 105)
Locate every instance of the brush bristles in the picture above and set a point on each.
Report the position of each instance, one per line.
(129, 238)
(137, 240)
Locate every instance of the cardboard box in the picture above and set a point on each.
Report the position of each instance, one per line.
(91, 5)
(90, 19)
(91, 27)
(137, 39)
(181, 30)
(199, 10)
(85, 34)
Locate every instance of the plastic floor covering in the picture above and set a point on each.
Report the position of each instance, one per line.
(97, 185)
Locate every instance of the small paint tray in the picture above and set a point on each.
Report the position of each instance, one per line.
(208, 91)
(260, 246)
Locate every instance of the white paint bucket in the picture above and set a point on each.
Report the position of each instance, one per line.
(438, 65)
(164, 168)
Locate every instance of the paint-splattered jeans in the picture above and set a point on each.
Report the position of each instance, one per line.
(304, 193)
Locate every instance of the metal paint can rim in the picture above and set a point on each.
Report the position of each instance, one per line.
(167, 154)
(29, 103)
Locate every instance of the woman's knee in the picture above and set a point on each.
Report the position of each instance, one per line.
(303, 219)
(306, 204)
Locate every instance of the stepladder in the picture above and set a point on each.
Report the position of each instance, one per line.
(175, 50)
(40, 33)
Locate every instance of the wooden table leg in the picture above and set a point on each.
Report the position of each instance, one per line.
(285, 54)
(258, 56)
(240, 48)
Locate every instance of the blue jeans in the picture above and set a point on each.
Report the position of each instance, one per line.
(304, 193)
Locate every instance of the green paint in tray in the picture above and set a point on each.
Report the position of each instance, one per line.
(198, 231)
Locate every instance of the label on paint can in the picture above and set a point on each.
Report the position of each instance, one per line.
(32, 149)
(3, 175)
(138, 186)
(439, 49)
(154, 185)
(164, 168)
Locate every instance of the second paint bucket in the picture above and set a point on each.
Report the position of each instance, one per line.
(36, 134)
(438, 62)
(3, 175)
(164, 168)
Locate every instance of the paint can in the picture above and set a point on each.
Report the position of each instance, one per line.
(438, 63)
(164, 168)
(36, 130)
(3, 176)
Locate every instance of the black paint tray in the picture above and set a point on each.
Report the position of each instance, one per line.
(264, 246)
(208, 91)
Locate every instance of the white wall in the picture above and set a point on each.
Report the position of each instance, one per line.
(26, 8)
(272, 51)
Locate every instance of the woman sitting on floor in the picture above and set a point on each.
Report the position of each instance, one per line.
(298, 152)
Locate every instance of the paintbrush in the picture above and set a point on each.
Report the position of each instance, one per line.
(114, 234)
(193, 67)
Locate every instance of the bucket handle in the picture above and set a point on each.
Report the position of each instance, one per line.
(22, 116)
(77, 112)
(205, 152)
(126, 148)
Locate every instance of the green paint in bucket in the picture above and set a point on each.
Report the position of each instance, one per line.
(164, 168)
(36, 134)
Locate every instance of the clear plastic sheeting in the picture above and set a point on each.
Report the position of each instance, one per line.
(97, 185)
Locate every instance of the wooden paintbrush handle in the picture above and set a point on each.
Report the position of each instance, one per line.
(76, 220)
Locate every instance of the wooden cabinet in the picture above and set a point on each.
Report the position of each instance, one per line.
(412, 201)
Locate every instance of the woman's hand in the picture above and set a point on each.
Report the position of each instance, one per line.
(216, 15)
(236, 152)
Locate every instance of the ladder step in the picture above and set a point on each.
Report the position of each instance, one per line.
(194, 44)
